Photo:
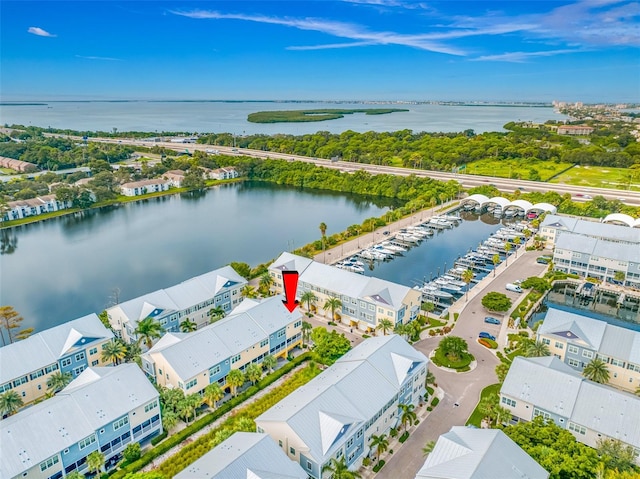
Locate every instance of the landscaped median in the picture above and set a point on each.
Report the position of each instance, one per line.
(452, 353)
(242, 419)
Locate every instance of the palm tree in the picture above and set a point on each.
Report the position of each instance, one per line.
(596, 371)
(517, 241)
(537, 349)
(95, 461)
(58, 381)
(467, 276)
(306, 332)
(212, 394)
(169, 420)
(380, 443)
(114, 351)
(453, 347)
(502, 370)
(323, 232)
(507, 248)
(249, 291)
(148, 329)
(265, 282)
(253, 373)
(408, 415)
(338, 469)
(188, 326)
(309, 298)
(428, 307)
(428, 448)
(187, 407)
(400, 329)
(10, 402)
(385, 325)
(133, 354)
(332, 303)
(430, 379)
(496, 260)
(216, 313)
(269, 362)
(235, 379)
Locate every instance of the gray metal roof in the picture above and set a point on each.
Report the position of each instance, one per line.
(607, 339)
(598, 247)
(469, 453)
(325, 411)
(245, 455)
(606, 410)
(193, 353)
(97, 397)
(291, 262)
(46, 347)
(592, 228)
(181, 296)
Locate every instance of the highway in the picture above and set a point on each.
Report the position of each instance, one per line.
(579, 193)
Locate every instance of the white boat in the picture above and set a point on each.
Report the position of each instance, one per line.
(393, 247)
(409, 238)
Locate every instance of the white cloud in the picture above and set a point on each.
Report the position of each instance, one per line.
(40, 32)
(99, 58)
(522, 57)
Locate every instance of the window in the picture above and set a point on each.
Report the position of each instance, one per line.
(577, 428)
(292, 451)
(213, 371)
(508, 401)
(120, 423)
(281, 333)
(587, 354)
(66, 362)
(80, 356)
(573, 349)
(78, 370)
(617, 362)
(93, 350)
(86, 442)
(264, 343)
(297, 324)
(350, 443)
(538, 412)
(279, 443)
(235, 359)
(48, 463)
(633, 367)
(94, 362)
(559, 345)
(191, 383)
(150, 406)
(309, 465)
(573, 362)
(546, 341)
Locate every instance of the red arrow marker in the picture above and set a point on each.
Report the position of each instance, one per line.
(290, 280)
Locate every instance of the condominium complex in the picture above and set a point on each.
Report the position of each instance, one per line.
(365, 301)
(553, 226)
(336, 413)
(549, 388)
(195, 299)
(470, 453)
(104, 409)
(577, 339)
(245, 455)
(25, 366)
(255, 329)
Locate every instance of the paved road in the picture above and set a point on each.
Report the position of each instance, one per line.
(462, 389)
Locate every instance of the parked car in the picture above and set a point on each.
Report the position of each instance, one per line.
(518, 281)
(485, 335)
(543, 260)
(491, 320)
(513, 287)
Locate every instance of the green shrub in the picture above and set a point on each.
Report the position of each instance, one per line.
(393, 432)
(159, 438)
(429, 408)
(435, 402)
(430, 390)
(365, 336)
(331, 323)
(378, 466)
(455, 316)
(366, 461)
(404, 437)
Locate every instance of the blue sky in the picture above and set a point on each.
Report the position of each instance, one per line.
(322, 50)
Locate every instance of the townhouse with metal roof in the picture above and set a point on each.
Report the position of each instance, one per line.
(337, 412)
(104, 409)
(192, 361)
(549, 388)
(553, 226)
(142, 187)
(245, 455)
(577, 339)
(25, 366)
(470, 453)
(194, 299)
(365, 300)
(598, 258)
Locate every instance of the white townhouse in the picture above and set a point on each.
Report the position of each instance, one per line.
(193, 299)
(255, 329)
(549, 388)
(25, 366)
(142, 187)
(365, 300)
(337, 412)
(34, 206)
(470, 453)
(174, 177)
(104, 409)
(553, 226)
(225, 173)
(577, 339)
(245, 455)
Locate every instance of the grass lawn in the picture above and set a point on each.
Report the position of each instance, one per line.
(520, 167)
(602, 177)
(461, 364)
(435, 323)
(476, 418)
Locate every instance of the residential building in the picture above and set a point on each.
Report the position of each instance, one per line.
(549, 388)
(245, 455)
(17, 165)
(255, 329)
(193, 299)
(337, 412)
(365, 300)
(577, 339)
(554, 225)
(104, 409)
(225, 173)
(174, 177)
(597, 258)
(142, 187)
(25, 366)
(470, 453)
(574, 130)
(34, 206)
